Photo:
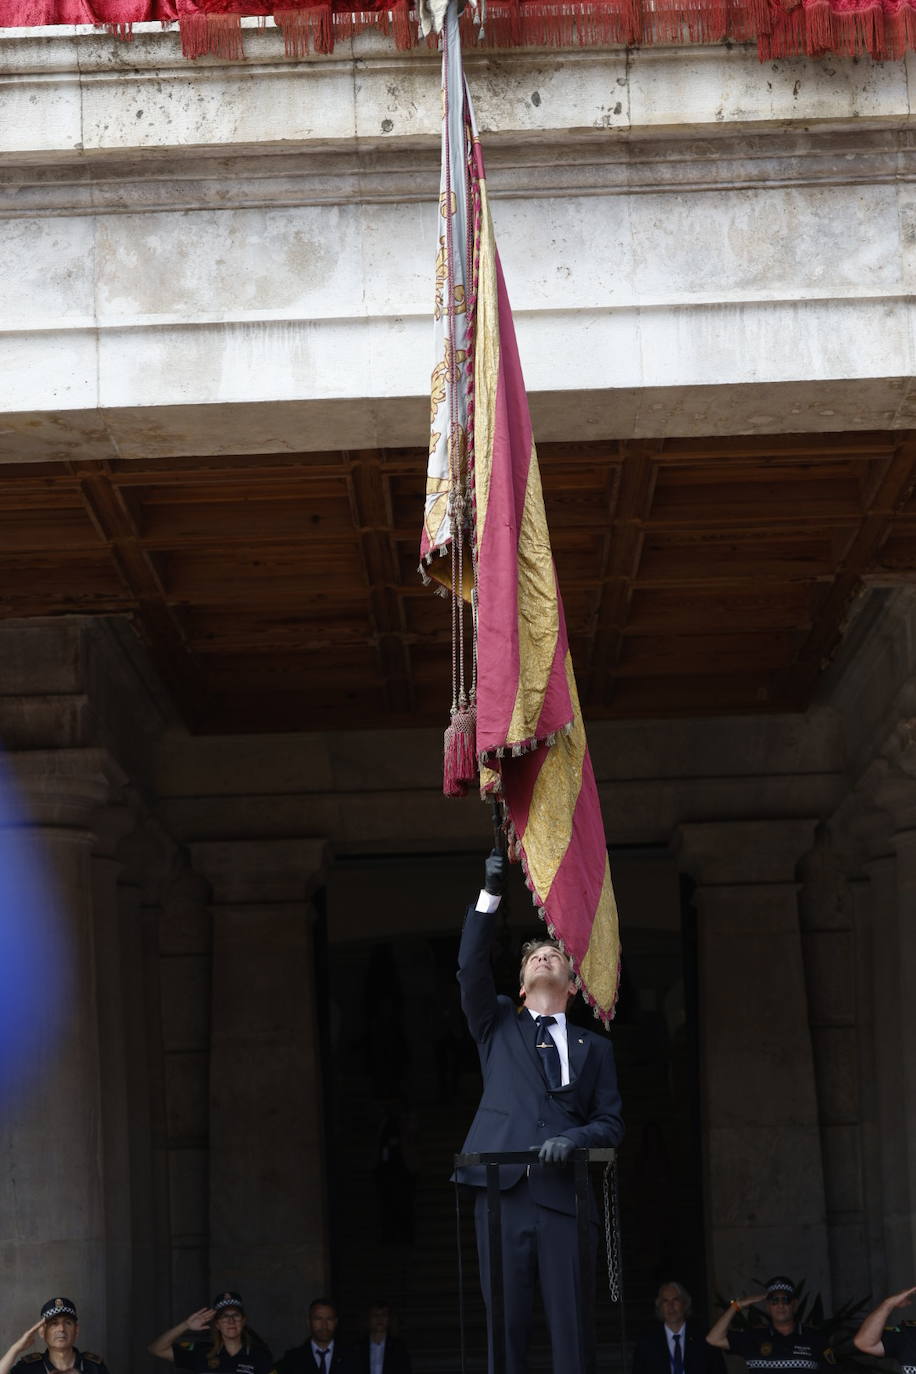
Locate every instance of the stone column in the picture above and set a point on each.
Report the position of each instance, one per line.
(267, 1205)
(888, 1240)
(839, 1008)
(51, 1126)
(764, 1179)
(184, 947)
(891, 784)
(118, 980)
(161, 906)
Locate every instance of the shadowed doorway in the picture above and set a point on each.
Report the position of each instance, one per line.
(404, 1082)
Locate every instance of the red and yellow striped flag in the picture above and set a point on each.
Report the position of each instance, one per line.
(531, 745)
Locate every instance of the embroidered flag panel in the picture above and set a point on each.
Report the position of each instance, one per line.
(530, 737)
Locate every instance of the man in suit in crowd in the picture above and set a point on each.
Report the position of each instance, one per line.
(673, 1345)
(548, 1087)
(322, 1351)
(383, 1353)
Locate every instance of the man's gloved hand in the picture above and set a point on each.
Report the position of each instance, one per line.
(495, 874)
(556, 1150)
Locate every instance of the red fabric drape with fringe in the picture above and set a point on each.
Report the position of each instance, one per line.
(781, 28)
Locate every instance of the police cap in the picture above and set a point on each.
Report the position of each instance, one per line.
(58, 1307)
(780, 1284)
(224, 1300)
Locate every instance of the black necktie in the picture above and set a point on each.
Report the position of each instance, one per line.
(547, 1049)
(323, 1357)
(677, 1364)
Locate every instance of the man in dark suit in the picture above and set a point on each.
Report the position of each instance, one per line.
(548, 1087)
(383, 1353)
(673, 1345)
(322, 1351)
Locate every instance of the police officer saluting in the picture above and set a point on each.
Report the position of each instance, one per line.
(233, 1349)
(782, 1343)
(877, 1337)
(58, 1327)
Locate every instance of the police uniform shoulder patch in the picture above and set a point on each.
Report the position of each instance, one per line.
(766, 1348)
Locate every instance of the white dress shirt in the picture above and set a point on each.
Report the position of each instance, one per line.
(488, 902)
(559, 1033)
(376, 1356)
(329, 1355)
(669, 1337)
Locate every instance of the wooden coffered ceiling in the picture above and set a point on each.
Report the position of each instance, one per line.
(280, 592)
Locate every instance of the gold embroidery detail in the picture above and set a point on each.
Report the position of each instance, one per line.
(538, 616)
(553, 800)
(598, 969)
(486, 364)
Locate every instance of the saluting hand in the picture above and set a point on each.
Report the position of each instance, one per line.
(27, 1338)
(749, 1302)
(201, 1319)
(901, 1299)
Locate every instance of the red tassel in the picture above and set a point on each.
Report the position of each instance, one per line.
(460, 771)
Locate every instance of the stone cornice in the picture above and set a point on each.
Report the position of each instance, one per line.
(146, 183)
(78, 93)
(261, 871)
(67, 789)
(743, 852)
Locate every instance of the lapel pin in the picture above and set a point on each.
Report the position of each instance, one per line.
(581, 1041)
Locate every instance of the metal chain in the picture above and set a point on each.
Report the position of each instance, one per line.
(611, 1230)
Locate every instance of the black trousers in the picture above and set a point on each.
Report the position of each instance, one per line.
(542, 1245)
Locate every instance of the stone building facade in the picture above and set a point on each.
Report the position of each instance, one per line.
(723, 249)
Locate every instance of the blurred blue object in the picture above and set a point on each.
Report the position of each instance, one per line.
(34, 948)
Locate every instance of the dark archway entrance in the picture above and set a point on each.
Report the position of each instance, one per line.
(403, 1082)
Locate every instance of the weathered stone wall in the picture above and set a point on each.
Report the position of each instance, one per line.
(167, 1135)
(211, 257)
(236, 258)
(185, 886)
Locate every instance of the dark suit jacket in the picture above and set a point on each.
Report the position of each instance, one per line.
(650, 1355)
(517, 1109)
(397, 1358)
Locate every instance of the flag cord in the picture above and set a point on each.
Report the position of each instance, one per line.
(460, 770)
(456, 493)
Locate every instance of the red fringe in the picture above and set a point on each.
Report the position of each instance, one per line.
(814, 29)
(883, 29)
(306, 30)
(405, 33)
(216, 35)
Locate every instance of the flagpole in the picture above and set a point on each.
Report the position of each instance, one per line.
(499, 834)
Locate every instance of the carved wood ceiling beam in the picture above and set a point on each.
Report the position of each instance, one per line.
(116, 524)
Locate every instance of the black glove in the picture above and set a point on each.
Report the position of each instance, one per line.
(495, 873)
(556, 1150)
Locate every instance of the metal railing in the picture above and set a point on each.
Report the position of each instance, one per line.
(579, 1160)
